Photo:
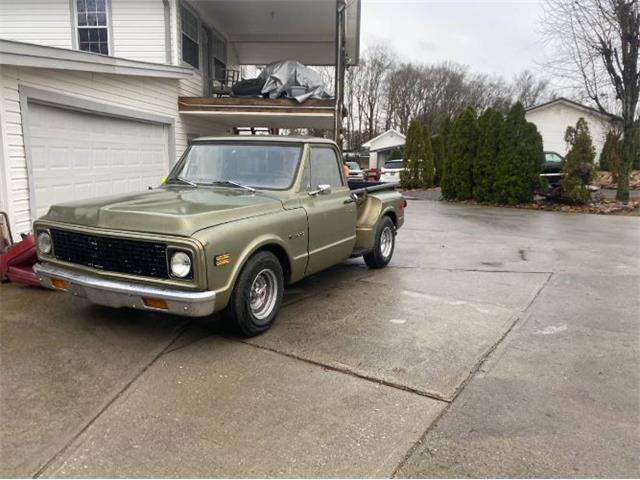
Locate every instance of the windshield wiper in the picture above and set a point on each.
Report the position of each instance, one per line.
(235, 184)
(183, 180)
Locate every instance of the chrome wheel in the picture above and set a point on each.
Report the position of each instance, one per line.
(386, 242)
(263, 294)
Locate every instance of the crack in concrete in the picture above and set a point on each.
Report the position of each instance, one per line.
(480, 270)
(178, 332)
(347, 371)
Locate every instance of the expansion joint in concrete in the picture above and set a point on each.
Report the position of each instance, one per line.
(471, 375)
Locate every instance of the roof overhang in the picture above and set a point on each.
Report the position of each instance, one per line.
(264, 31)
(260, 112)
(385, 141)
(38, 56)
(578, 106)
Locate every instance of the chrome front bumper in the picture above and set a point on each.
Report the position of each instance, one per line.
(115, 293)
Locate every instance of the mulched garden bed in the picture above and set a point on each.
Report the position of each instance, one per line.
(598, 207)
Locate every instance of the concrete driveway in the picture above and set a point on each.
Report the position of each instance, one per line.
(499, 342)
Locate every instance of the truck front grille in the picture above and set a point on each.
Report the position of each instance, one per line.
(119, 255)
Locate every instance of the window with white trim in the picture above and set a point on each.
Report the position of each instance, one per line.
(92, 26)
(190, 38)
(219, 54)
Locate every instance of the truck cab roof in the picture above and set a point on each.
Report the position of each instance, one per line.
(265, 138)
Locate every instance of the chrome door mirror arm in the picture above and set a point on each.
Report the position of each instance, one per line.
(322, 190)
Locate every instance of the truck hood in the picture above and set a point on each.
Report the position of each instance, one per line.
(167, 210)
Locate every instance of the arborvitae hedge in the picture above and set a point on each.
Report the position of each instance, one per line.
(463, 146)
(427, 169)
(410, 175)
(418, 158)
(484, 167)
(443, 162)
(577, 167)
(519, 159)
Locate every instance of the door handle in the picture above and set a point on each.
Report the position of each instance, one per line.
(352, 198)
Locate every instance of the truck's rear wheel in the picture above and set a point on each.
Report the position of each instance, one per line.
(384, 245)
(257, 295)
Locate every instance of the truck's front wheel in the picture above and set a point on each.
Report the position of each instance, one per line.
(384, 245)
(257, 294)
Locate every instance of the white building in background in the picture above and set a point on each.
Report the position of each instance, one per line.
(381, 146)
(100, 97)
(553, 118)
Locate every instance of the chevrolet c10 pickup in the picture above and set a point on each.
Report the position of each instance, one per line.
(236, 220)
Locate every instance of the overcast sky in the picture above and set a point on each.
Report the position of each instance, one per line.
(494, 37)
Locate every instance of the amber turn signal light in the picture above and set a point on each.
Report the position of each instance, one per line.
(158, 303)
(59, 284)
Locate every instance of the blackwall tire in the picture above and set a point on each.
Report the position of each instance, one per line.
(257, 295)
(384, 245)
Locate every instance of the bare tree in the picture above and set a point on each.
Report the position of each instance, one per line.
(355, 93)
(405, 95)
(378, 60)
(483, 91)
(597, 44)
(530, 90)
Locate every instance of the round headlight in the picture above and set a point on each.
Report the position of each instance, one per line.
(180, 264)
(44, 242)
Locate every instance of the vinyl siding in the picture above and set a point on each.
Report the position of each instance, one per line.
(43, 22)
(157, 96)
(139, 30)
(137, 26)
(552, 123)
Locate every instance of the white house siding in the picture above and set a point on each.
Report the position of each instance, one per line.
(150, 95)
(137, 26)
(552, 122)
(138, 30)
(43, 22)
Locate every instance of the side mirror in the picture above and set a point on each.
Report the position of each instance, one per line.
(322, 190)
(163, 180)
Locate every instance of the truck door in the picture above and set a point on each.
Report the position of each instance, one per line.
(332, 222)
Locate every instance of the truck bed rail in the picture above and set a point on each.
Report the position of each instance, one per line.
(359, 187)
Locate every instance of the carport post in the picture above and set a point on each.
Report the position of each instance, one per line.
(339, 72)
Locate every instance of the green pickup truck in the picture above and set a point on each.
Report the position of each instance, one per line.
(236, 220)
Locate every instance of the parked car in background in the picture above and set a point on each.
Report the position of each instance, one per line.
(551, 169)
(390, 173)
(355, 172)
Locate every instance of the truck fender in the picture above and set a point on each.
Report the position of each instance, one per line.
(278, 247)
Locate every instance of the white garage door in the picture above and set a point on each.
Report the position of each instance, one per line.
(77, 155)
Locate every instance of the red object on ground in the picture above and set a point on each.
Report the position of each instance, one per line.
(17, 262)
(24, 275)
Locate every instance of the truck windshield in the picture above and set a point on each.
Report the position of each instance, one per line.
(263, 166)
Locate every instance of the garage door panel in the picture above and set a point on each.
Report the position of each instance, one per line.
(81, 158)
(38, 158)
(77, 155)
